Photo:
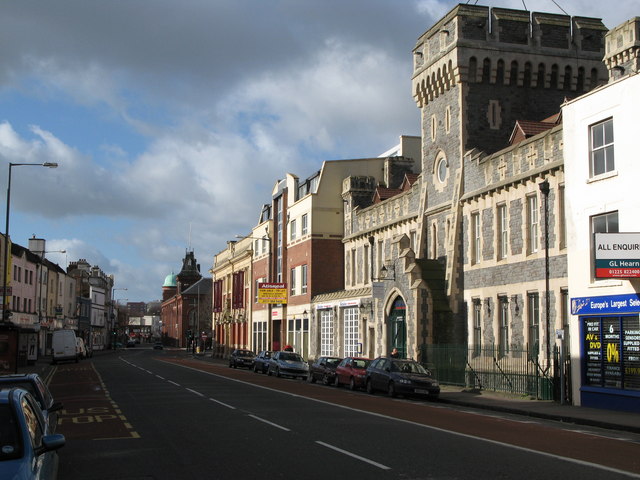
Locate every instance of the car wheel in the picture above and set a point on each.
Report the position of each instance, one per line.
(352, 383)
(369, 387)
(325, 379)
(391, 390)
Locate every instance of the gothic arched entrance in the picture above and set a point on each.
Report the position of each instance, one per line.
(397, 327)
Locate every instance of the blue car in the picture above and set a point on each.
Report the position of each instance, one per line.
(33, 383)
(27, 449)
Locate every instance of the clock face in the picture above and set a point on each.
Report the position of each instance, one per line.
(442, 170)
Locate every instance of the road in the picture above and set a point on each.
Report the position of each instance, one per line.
(145, 414)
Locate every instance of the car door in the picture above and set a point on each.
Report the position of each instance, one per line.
(380, 375)
(45, 465)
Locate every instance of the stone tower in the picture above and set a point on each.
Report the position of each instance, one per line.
(190, 272)
(476, 72)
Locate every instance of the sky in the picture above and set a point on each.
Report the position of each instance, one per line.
(171, 120)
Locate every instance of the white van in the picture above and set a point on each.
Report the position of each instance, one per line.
(64, 346)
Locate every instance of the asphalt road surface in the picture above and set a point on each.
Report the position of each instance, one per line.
(147, 414)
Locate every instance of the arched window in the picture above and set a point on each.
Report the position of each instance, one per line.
(541, 75)
(486, 71)
(568, 77)
(594, 79)
(513, 74)
(434, 240)
(553, 81)
(526, 81)
(473, 67)
(500, 72)
(580, 81)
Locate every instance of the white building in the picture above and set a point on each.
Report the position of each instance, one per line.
(601, 197)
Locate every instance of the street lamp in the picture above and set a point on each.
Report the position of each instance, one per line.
(544, 189)
(5, 273)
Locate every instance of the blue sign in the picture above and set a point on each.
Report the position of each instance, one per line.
(608, 304)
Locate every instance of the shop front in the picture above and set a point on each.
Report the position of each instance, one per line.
(609, 351)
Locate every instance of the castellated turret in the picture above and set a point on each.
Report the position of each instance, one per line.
(502, 65)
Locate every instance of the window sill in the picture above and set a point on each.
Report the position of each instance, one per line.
(602, 176)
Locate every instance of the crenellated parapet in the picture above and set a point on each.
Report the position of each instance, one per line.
(477, 44)
(622, 54)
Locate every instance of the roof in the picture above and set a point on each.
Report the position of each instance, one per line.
(383, 193)
(527, 128)
(170, 280)
(201, 287)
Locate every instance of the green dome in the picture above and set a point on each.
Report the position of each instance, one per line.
(170, 281)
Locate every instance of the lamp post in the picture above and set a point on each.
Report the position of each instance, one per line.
(5, 273)
(544, 189)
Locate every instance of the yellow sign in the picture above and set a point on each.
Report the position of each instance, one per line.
(274, 293)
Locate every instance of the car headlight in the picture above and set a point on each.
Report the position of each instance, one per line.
(405, 381)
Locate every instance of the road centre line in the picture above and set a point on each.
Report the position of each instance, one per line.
(270, 423)
(193, 391)
(353, 455)
(430, 427)
(189, 389)
(222, 403)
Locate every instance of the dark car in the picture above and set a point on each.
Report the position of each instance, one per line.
(324, 369)
(400, 377)
(32, 383)
(352, 371)
(158, 346)
(241, 358)
(28, 448)
(288, 364)
(261, 362)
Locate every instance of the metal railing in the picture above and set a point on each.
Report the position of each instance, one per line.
(516, 371)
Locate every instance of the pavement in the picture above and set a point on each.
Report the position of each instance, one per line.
(455, 395)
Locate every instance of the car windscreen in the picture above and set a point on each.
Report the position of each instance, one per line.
(409, 367)
(291, 357)
(361, 363)
(10, 446)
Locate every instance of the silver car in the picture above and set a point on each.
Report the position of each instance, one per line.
(288, 364)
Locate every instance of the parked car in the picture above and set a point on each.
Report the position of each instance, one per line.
(288, 364)
(324, 368)
(32, 383)
(241, 358)
(400, 377)
(64, 346)
(28, 448)
(352, 371)
(261, 362)
(158, 346)
(131, 343)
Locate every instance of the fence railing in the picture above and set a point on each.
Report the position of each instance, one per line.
(517, 371)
